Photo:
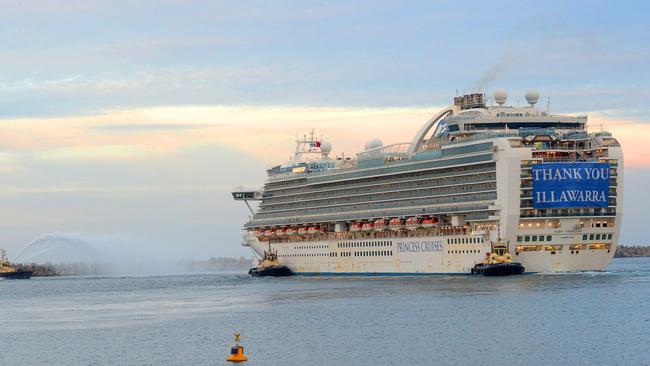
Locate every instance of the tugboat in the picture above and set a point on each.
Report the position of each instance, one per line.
(270, 266)
(9, 272)
(498, 262)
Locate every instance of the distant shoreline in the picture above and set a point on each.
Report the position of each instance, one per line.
(624, 251)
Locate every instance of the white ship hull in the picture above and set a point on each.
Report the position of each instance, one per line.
(418, 255)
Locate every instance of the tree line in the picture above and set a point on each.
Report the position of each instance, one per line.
(624, 251)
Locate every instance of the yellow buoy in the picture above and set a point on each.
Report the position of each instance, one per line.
(237, 351)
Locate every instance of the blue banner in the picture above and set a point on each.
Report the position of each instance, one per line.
(561, 185)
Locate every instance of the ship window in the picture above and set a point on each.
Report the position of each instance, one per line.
(591, 237)
(548, 237)
(534, 237)
(519, 238)
(526, 238)
(584, 236)
(597, 236)
(609, 236)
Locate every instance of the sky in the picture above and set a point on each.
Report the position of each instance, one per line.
(132, 120)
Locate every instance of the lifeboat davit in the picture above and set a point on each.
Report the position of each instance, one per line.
(380, 225)
(291, 231)
(302, 230)
(367, 226)
(396, 223)
(413, 223)
(313, 230)
(356, 227)
(430, 222)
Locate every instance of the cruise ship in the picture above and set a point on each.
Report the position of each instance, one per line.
(478, 171)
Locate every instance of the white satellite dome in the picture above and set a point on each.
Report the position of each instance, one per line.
(373, 144)
(500, 96)
(325, 148)
(532, 96)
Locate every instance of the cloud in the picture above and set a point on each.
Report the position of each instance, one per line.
(135, 127)
(631, 134)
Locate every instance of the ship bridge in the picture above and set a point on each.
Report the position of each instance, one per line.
(243, 194)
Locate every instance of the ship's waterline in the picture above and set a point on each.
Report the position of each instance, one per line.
(472, 175)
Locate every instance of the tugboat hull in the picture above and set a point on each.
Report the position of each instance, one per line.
(498, 269)
(275, 271)
(17, 275)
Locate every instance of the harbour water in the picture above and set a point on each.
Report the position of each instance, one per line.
(599, 318)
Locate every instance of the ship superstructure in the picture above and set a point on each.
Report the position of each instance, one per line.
(473, 173)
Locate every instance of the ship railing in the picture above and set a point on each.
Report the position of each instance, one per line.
(368, 214)
(385, 234)
(483, 136)
(591, 214)
(396, 150)
(403, 202)
(567, 160)
(394, 181)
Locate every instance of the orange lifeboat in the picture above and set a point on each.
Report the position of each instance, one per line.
(313, 230)
(413, 223)
(356, 227)
(281, 232)
(367, 226)
(380, 225)
(259, 232)
(291, 231)
(302, 230)
(430, 222)
(396, 223)
(269, 232)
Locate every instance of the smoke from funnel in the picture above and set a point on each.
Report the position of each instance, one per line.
(494, 72)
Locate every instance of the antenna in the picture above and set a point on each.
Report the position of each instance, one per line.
(498, 231)
(548, 105)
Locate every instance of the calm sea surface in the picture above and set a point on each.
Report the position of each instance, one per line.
(565, 319)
